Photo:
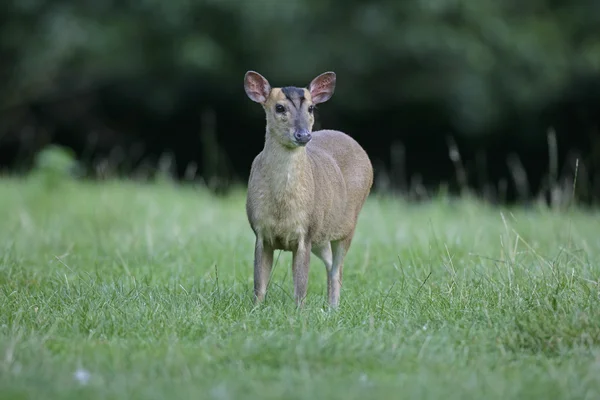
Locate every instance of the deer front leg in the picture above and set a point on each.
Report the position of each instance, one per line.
(300, 269)
(263, 263)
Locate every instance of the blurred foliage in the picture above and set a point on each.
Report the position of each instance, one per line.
(124, 82)
(477, 58)
(53, 165)
(56, 159)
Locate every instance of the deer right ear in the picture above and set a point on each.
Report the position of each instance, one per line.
(256, 87)
(322, 87)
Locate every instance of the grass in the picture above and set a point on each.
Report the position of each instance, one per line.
(127, 291)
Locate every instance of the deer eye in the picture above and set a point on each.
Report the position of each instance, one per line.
(279, 108)
(311, 109)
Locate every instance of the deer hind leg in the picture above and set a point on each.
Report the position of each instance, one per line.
(334, 277)
(325, 254)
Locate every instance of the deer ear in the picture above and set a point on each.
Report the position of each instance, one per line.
(322, 87)
(256, 87)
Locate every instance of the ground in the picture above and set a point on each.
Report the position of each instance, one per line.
(144, 291)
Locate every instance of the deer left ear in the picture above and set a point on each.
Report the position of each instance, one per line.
(256, 86)
(322, 87)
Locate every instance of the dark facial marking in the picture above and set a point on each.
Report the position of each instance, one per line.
(294, 94)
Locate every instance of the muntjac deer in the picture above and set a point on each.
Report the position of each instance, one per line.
(306, 189)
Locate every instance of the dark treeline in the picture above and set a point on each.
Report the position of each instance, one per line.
(502, 98)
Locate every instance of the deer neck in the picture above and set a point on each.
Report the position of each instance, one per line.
(288, 169)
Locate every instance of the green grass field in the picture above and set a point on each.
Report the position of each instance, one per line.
(130, 291)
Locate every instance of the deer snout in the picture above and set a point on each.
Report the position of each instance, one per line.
(302, 136)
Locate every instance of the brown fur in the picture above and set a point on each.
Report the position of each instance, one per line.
(303, 198)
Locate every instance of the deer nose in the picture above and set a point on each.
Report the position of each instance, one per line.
(302, 136)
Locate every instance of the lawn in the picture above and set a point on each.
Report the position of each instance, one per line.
(144, 291)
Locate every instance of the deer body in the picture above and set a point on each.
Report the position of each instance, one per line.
(306, 189)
